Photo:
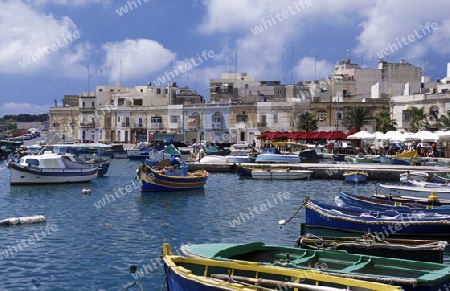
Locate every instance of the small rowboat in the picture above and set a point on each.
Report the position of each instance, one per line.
(210, 274)
(370, 244)
(356, 176)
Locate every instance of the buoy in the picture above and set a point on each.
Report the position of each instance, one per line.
(23, 220)
(86, 190)
(433, 197)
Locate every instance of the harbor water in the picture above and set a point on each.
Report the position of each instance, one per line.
(90, 241)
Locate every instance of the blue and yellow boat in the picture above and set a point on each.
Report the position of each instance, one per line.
(170, 178)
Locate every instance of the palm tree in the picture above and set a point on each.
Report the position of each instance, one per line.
(418, 119)
(307, 122)
(444, 121)
(354, 119)
(384, 122)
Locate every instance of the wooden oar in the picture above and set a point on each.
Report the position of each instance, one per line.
(239, 279)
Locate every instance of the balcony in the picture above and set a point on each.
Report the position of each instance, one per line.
(87, 124)
(156, 125)
(123, 124)
(86, 108)
(137, 125)
(216, 126)
(262, 124)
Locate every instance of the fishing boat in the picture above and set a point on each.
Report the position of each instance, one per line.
(370, 244)
(273, 155)
(423, 190)
(386, 223)
(310, 156)
(281, 174)
(164, 177)
(201, 274)
(442, 178)
(409, 274)
(414, 175)
(242, 153)
(50, 168)
(383, 202)
(356, 176)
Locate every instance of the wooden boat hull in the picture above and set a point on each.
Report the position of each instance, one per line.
(196, 273)
(20, 175)
(355, 177)
(387, 223)
(275, 174)
(368, 244)
(338, 263)
(156, 181)
(381, 202)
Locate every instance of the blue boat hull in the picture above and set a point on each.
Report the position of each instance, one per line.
(385, 205)
(387, 223)
(356, 178)
(176, 282)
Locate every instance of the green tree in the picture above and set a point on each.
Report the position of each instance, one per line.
(444, 121)
(354, 118)
(384, 122)
(418, 119)
(307, 122)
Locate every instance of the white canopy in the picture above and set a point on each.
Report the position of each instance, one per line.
(425, 135)
(362, 135)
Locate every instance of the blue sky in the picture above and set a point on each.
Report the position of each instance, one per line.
(48, 45)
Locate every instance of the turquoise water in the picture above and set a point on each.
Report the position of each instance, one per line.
(85, 245)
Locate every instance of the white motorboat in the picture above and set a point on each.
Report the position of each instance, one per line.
(415, 176)
(281, 174)
(50, 168)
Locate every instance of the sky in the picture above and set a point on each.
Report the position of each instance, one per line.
(52, 48)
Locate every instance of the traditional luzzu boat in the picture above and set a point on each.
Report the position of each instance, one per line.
(281, 174)
(205, 274)
(410, 275)
(391, 223)
(356, 176)
(50, 168)
(384, 202)
(164, 177)
(369, 244)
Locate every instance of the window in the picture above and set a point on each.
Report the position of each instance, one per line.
(100, 90)
(321, 116)
(173, 119)
(84, 104)
(118, 118)
(127, 121)
(275, 118)
(158, 90)
(121, 101)
(156, 119)
(241, 118)
(406, 115)
(216, 119)
(137, 102)
(93, 104)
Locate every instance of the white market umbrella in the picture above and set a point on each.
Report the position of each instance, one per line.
(362, 135)
(394, 136)
(425, 135)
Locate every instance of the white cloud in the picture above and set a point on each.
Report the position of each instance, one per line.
(22, 108)
(137, 58)
(387, 22)
(69, 2)
(27, 36)
(309, 68)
